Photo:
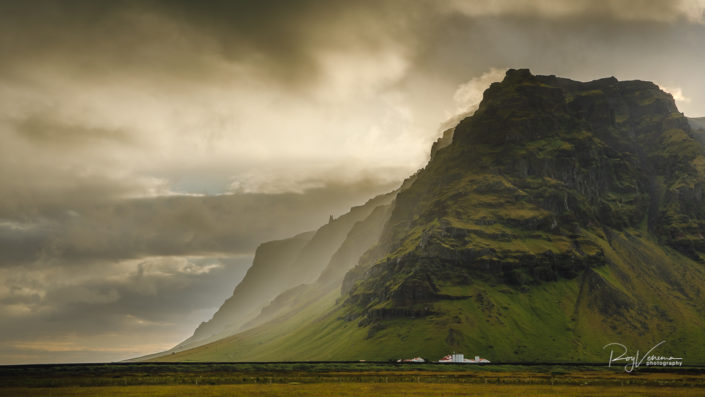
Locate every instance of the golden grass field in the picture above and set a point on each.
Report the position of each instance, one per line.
(344, 379)
(356, 389)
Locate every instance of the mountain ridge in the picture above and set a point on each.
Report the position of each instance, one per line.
(548, 223)
(277, 267)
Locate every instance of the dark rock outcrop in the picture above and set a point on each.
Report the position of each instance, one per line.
(529, 183)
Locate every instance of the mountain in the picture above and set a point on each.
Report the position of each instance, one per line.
(561, 216)
(281, 265)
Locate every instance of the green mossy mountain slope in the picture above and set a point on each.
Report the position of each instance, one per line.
(563, 216)
(637, 299)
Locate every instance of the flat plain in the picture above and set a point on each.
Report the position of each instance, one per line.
(344, 379)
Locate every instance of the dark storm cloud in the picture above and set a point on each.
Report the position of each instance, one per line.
(570, 43)
(40, 129)
(283, 38)
(232, 224)
(20, 244)
(155, 290)
(654, 10)
(153, 298)
(585, 40)
(276, 39)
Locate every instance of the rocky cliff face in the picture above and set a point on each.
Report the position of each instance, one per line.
(543, 166)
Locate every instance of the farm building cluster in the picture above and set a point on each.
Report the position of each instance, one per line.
(451, 358)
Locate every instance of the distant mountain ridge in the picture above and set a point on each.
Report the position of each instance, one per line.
(281, 265)
(559, 217)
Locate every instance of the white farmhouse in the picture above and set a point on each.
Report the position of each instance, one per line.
(460, 358)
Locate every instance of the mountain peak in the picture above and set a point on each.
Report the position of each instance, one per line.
(525, 107)
(515, 75)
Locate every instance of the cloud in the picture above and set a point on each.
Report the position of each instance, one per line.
(626, 10)
(178, 225)
(69, 314)
(677, 93)
(467, 96)
(292, 42)
(40, 130)
(92, 94)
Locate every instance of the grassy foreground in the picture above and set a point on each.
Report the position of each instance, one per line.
(356, 389)
(343, 379)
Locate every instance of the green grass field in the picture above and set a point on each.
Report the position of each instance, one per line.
(343, 379)
(356, 389)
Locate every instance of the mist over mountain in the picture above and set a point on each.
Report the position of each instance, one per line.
(559, 217)
(698, 127)
(281, 265)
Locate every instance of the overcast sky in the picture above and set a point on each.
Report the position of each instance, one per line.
(147, 147)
